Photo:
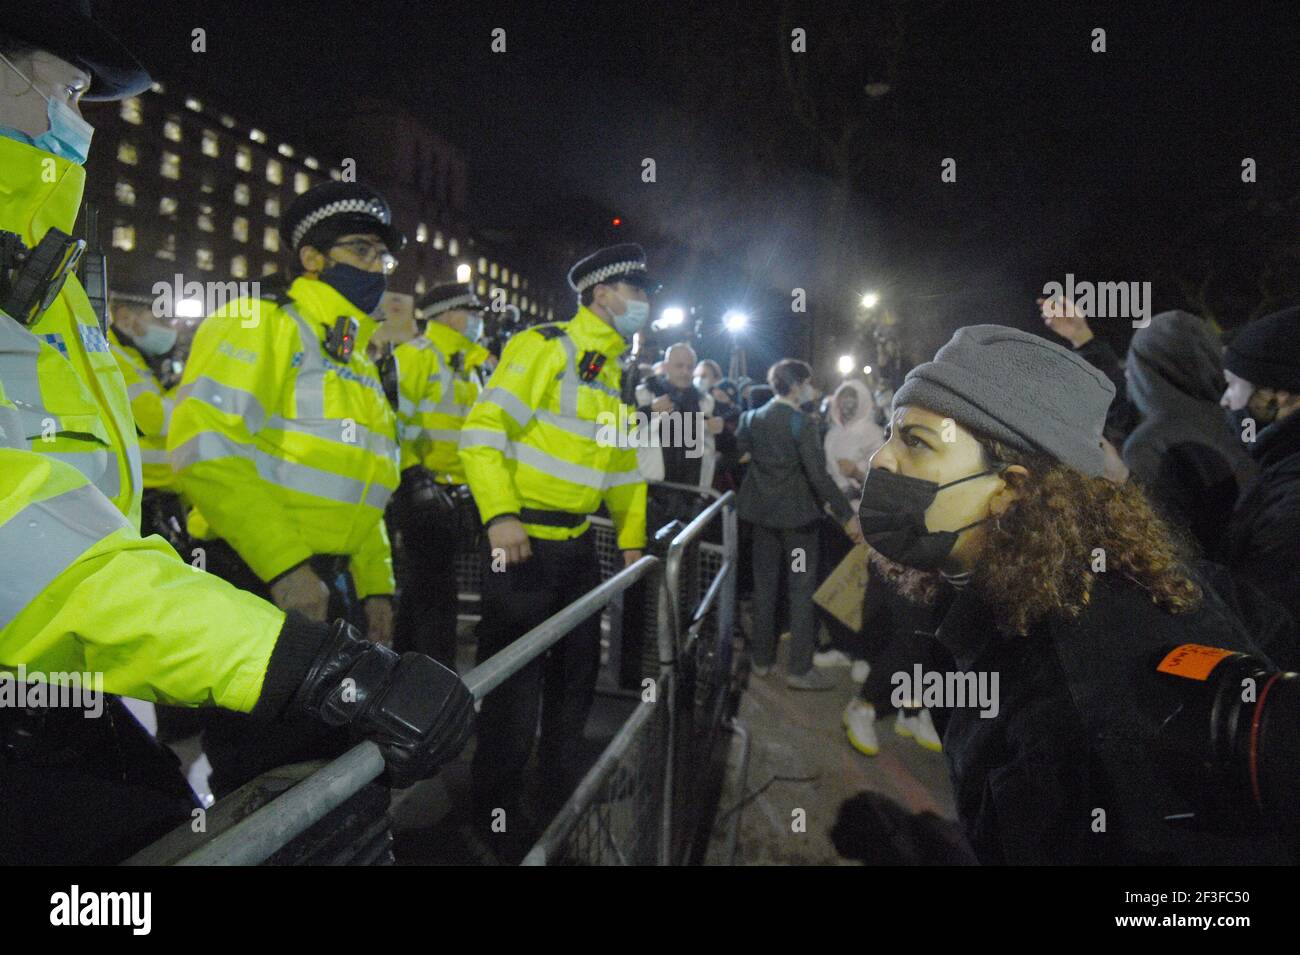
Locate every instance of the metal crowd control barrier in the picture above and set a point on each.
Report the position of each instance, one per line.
(257, 836)
(645, 799)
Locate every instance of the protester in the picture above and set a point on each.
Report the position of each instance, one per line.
(1191, 465)
(1262, 366)
(853, 438)
(1013, 513)
(784, 492)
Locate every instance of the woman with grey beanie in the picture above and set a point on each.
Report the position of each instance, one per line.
(1059, 590)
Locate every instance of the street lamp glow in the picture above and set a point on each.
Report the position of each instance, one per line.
(462, 272)
(866, 369)
(671, 316)
(734, 321)
(846, 364)
(871, 300)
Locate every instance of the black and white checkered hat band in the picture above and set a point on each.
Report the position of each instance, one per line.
(606, 272)
(338, 207)
(447, 304)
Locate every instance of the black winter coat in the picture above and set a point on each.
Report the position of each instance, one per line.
(1072, 746)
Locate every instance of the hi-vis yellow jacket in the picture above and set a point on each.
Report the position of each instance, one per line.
(58, 373)
(285, 451)
(530, 441)
(152, 408)
(81, 592)
(79, 589)
(437, 380)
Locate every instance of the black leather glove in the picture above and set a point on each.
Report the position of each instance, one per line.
(418, 712)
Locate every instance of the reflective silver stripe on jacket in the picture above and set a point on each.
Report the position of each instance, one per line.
(43, 539)
(153, 456)
(525, 454)
(518, 411)
(291, 475)
(19, 351)
(141, 387)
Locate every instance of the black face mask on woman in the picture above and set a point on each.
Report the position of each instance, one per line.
(892, 517)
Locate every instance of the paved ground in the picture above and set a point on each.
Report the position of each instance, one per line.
(802, 768)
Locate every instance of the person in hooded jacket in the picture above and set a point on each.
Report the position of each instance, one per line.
(1056, 759)
(853, 437)
(1191, 465)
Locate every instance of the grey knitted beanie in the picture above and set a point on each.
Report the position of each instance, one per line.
(1022, 390)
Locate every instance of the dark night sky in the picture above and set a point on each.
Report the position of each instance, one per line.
(1120, 166)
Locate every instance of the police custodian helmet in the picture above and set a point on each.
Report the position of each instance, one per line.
(617, 263)
(332, 209)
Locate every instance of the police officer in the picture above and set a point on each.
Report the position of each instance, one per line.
(285, 443)
(80, 590)
(538, 466)
(438, 381)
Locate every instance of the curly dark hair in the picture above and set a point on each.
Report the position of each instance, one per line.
(1039, 554)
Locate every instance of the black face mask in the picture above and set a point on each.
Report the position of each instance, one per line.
(892, 517)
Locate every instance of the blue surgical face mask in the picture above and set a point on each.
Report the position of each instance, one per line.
(156, 340)
(633, 318)
(363, 289)
(474, 326)
(68, 136)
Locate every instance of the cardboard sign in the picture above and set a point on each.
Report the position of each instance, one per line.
(842, 593)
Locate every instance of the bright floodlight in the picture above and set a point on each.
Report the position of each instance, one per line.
(462, 272)
(189, 308)
(671, 316)
(871, 300)
(734, 321)
(846, 364)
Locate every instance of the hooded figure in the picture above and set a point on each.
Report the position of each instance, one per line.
(1190, 463)
(853, 437)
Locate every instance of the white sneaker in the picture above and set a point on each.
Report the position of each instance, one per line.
(831, 658)
(860, 724)
(861, 670)
(920, 728)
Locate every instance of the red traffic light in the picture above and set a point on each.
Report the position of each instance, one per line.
(617, 221)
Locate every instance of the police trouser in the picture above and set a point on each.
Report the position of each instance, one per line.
(241, 748)
(426, 610)
(560, 685)
(84, 789)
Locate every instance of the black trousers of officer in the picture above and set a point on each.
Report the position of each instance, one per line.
(426, 612)
(561, 684)
(241, 748)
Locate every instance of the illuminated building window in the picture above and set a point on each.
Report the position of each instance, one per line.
(301, 182)
(482, 287)
(273, 206)
(421, 233)
(550, 314)
(126, 153)
(227, 121)
(420, 286)
(284, 149)
(244, 159)
(170, 167)
(205, 220)
(243, 195)
(239, 267)
(482, 266)
(124, 237)
(131, 112)
(514, 298)
(156, 87)
(534, 308)
(311, 162)
(438, 241)
(206, 186)
(211, 145)
(505, 276)
(523, 303)
(257, 136)
(271, 239)
(172, 130)
(204, 259)
(192, 103)
(167, 206)
(124, 192)
(336, 174)
(493, 272)
(270, 268)
(453, 248)
(167, 249)
(514, 279)
(239, 229)
(274, 172)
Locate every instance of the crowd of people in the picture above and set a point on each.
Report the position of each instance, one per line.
(224, 536)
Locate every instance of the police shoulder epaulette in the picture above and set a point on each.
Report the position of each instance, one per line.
(549, 331)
